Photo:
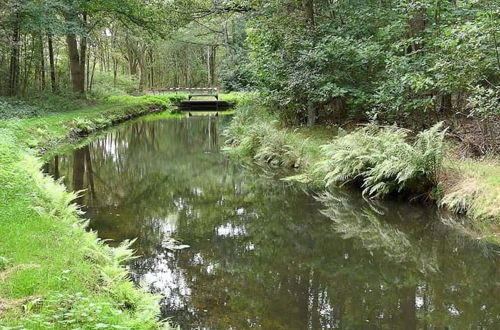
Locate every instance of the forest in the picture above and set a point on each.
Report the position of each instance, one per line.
(397, 99)
(410, 62)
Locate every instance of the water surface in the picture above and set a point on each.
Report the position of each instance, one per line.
(265, 253)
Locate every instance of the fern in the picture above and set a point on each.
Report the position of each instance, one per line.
(384, 160)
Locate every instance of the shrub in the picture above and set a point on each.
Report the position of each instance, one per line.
(383, 159)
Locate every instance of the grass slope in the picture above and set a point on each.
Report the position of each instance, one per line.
(54, 274)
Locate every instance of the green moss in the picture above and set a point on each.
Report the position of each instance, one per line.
(53, 273)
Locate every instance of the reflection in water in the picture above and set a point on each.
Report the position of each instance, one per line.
(266, 254)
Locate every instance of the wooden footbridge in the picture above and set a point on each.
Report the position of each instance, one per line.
(199, 99)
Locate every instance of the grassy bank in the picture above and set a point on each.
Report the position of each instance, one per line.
(53, 273)
(382, 161)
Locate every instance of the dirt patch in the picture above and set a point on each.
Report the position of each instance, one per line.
(478, 137)
(8, 304)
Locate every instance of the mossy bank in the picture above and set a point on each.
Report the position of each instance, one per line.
(384, 161)
(54, 273)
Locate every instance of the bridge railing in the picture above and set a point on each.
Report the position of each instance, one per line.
(190, 90)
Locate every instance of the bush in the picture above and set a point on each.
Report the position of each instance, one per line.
(384, 161)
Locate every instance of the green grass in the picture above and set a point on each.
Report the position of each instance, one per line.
(465, 186)
(473, 187)
(54, 274)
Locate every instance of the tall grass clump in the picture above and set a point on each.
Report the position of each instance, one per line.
(473, 188)
(385, 160)
(255, 133)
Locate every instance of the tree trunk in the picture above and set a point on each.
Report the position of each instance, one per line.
(42, 62)
(52, 64)
(14, 58)
(83, 52)
(309, 11)
(115, 71)
(311, 114)
(142, 75)
(77, 76)
(446, 104)
(211, 65)
(91, 83)
(308, 6)
(417, 24)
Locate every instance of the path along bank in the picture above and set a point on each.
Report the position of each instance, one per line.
(53, 273)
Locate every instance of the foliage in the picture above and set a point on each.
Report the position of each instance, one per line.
(384, 161)
(485, 102)
(391, 60)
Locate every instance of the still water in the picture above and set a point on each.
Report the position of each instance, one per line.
(265, 253)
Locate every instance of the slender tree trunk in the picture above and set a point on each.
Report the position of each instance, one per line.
(42, 63)
(209, 66)
(115, 71)
(28, 62)
(52, 64)
(417, 24)
(14, 57)
(142, 75)
(87, 73)
(311, 114)
(93, 73)
(152, 72)
(446, 103)
(309, 11)
(83, 53)
(308, 6)
(56, 168)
